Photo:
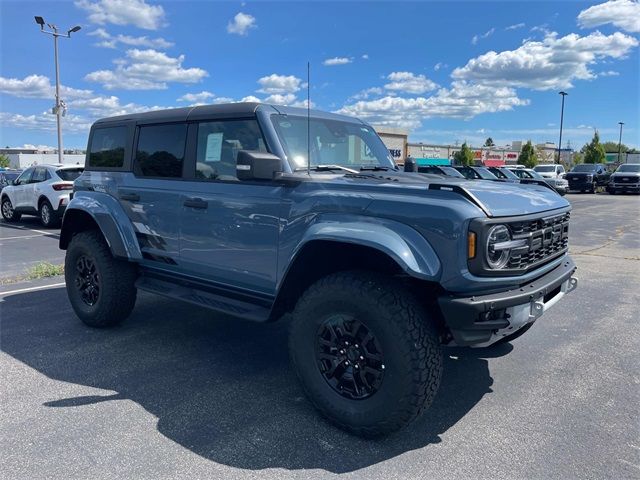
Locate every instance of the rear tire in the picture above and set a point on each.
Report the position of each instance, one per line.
(388, 334)
(101, 289)
(48, 217)
(8, 213)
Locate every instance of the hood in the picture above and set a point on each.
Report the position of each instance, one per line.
(625, 174)
(547, 174)
(496, 199)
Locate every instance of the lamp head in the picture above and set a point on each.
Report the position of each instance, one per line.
(40, 21)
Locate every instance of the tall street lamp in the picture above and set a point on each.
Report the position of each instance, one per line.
(60, 107)
(564, 94)
(620, 142)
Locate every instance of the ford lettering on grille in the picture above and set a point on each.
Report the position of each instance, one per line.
(547, 238)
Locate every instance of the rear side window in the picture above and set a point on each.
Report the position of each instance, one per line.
(160, 151)
(107, 147)
(69, 174)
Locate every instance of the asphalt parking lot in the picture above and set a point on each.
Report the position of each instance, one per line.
(178, 392)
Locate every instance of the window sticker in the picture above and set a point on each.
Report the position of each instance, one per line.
(214, 147)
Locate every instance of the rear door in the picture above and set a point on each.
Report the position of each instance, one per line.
(229, 228)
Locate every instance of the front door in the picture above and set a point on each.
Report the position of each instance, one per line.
(21, 187)
(229, 228)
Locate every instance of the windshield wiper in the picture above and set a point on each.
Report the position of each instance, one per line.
(327, 168)
(375, 168)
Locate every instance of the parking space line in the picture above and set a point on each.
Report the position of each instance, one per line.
(23, 236)
(43, 232)
(31, 289)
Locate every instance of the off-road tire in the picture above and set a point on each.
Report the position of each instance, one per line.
(117, 292)
(47, 219)
(14, 217)
(410, 344)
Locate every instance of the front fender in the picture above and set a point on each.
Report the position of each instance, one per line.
(406, 246)
(110, 217)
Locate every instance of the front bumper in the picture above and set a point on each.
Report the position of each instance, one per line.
(623, 187)
(484, 319)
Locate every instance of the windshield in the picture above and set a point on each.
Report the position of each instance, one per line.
(535, 174)
(10, 176)
(485, 174)
(69, 174)
(584, 167)
(545, 168)
(452, 172)
(507, 173)
(333, 142)
(629, 168)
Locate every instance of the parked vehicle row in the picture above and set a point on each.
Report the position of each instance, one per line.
(40, 190)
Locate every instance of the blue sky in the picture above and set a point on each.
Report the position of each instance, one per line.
(446, 71)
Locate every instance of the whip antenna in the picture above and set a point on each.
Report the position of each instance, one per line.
(308, 120)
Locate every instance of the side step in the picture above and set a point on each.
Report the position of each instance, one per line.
(200, 296)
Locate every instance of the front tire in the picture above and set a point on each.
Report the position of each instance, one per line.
(366, 352)
(101, 289)
(8, 213)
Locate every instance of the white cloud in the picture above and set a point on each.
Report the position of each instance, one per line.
(38, 86)
(609, 73)
(44, 121)
(409, 82)
(109, 41)
(439, 66)
(337, 61)
(624, 14)
(251, 99)
(146, 70)
(196, 97)
(366, 93)
(280, 99)
(365, 56)
(487, 34)
(241, 24)
(461, 100)
(515, 26)
(124, 12)
(279, 84)
(551, 63)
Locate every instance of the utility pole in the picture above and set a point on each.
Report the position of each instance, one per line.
(60, 107)
(564, 94)
(620, 142)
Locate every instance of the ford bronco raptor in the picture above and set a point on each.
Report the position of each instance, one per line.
(258, 211)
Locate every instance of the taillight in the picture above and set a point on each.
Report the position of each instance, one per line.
(62, 186)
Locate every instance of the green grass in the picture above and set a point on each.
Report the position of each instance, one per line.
(44, 270)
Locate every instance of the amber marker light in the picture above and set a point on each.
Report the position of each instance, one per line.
(471, 245)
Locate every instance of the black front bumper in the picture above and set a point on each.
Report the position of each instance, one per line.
(473, 319)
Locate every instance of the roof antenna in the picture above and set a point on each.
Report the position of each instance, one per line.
(308, 120)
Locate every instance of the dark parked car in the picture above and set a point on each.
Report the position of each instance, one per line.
(587, 177)
(440, 170)
(625, 179)
(477, 173)
(220, 206)
(8, 176)
(505, 174)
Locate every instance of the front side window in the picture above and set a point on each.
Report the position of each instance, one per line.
(39, 175)
(331, 142)
(218, 146)
(25, 177)
(160, 151)
(107, 147)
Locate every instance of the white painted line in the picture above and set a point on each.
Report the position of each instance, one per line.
(23, 236)
(32, 289)
(16, 227)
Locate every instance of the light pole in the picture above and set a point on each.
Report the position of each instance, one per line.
(60, 107)
(620, 142)
(564, 94)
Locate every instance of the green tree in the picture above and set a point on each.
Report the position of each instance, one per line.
(577, 158)
(593, 151)
(612, 147)
(489, 142)
(464, 156)
(528, 156)
(4, 161)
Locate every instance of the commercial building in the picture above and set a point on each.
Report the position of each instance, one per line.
(26, 157)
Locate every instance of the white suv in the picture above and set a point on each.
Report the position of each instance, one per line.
(42, 190)
(554, 170)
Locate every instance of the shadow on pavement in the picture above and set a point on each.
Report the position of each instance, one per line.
(220, 387)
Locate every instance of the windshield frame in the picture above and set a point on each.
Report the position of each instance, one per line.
(377, 147)
(578, 169)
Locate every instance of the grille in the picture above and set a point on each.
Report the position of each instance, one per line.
(626, 180)
(546, 238)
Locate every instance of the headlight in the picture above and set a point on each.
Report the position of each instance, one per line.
(498, 246)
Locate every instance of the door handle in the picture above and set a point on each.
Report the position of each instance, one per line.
(195, 203)
(132, 197)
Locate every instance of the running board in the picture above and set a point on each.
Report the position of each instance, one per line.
(203, 298)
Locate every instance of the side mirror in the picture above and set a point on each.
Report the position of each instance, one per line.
(14, 182)
(252, 165)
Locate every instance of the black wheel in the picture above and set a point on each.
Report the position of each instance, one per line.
(8, 213)
(513, 336)
(100, 288)
(594, 187)
(366, 352)
(48, 217)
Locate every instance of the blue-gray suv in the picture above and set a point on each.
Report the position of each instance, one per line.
(264, 212)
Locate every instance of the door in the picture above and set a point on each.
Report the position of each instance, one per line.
(151, 196)
(229, 228)
(21, 185)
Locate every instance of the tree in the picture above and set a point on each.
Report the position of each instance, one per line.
(4, 161)
(612, 147)
(489, 142)
(593, 151)
(464, 156)
(528, 156)
(577, 158)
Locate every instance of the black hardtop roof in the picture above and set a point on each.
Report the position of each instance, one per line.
(223, 110)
